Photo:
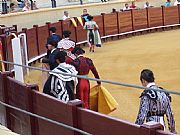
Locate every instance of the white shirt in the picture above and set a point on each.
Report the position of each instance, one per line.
(124, 9)
(176, 3)
(65, 17)
(150, 84)
(66, 44)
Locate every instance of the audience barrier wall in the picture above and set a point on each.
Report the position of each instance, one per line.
(26, 97)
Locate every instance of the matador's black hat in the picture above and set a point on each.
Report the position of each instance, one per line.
(77, 50)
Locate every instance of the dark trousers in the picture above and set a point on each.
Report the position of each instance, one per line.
(4, 7)
(53, 3)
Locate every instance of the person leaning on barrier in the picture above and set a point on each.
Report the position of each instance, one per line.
(60, 85)
(154, 104)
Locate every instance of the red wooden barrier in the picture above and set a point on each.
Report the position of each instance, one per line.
(32, 43)
(80, 32)
(42, 35)
(155, 17)
(7, 50)
(54, 109)
(100, 124)
(19, 95)
(125, 21)
(67, 25)
(58, 26)
(161, 132)
(99, 20)
(139, 19)
(110, 24)
(171, 15)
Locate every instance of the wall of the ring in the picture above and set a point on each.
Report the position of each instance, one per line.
(41, 16)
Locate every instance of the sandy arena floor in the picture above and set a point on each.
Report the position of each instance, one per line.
(123, 60)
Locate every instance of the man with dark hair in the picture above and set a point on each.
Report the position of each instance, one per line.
(83, 65)
(67, 45)
(53, 36)
(51, 57)
(154, 104)
(59, 84)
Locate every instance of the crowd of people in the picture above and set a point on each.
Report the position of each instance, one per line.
(21, 5)
(128, 7)
(64, 57)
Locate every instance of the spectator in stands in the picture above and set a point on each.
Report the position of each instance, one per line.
(67, 45)
(12, 7)
(66, 15)
(126, 7)
(53, 2)
(26, 7)
(147, 5)
(114, 10)
(59, 85)
(168, 3)
(83, 65)
(91, 27)
(133, 6)
(34, 5)
(176, 2)
(21, 3)
(154, 104)
(85, 15)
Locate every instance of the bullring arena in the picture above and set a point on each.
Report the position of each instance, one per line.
(121, 58)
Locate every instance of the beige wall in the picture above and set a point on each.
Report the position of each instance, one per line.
(40, 17)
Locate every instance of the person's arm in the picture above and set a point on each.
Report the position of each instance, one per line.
(143, 110)
(93, 69)
(170, 118)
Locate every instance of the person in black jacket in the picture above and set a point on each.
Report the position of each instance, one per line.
(52, 38)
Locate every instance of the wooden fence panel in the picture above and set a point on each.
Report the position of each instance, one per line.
(81, 32)
(67, 25)
(32, 46)
(155, 17)
(125, 21)
(58, 26)
(99, 20)
(18, 96)
(100, 124)
(139, 19)
(3, 119)
(42, 34)
(171, 15)
(9, 54)
(110, 24)
(54, 109)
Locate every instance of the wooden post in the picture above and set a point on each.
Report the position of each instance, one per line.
(150, 128)
(74, 104)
